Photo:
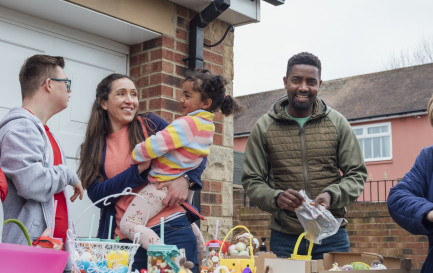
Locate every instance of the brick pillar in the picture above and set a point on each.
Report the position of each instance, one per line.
(158, 67)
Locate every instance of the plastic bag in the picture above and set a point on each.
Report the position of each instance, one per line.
(317, 221)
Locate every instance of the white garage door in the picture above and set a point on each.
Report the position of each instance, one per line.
(86, 64)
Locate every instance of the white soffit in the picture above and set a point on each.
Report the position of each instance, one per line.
(75, 16)
(240, 12)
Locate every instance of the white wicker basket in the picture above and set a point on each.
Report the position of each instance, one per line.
(103, 256)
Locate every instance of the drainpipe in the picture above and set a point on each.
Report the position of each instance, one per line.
(196, 31)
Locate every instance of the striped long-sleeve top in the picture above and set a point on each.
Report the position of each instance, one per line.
(178, 148)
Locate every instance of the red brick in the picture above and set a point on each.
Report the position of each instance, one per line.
(167, 116)
(157, 42)
(218, 48)
(156, 54)
(179, 58)
(159, 90)
(171, 80)
(218, 139)
(135, 49)
(205, 210)
(135, 72)
(182, 11)
(206, 185)
(217, 69)
(142, 82)
(155, 79)
(213, 57)
(142, 106)
(167, 67)
(163, 103)
(180, 70)
(216, 186)
(218, 128)
(167, 42)
(152, 67)
(211, 198)
(168, 54)
(207, 65)
(182, 47)
(181, 34)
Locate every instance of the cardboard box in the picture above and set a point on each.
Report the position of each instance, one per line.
(278, 265)
(393, 265)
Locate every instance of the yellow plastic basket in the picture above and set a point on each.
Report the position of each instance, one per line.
(238, 264)
(295, 255)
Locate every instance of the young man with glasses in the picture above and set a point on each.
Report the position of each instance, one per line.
(31, 157)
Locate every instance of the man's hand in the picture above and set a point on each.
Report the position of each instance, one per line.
(429, 216)
(143, 166)
(323, 199)
(78, 191)
(290, 200)
(177, 191)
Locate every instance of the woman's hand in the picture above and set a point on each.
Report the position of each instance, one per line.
(177, 191)
(143, 166)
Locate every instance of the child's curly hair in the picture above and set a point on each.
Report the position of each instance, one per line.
(213, 87)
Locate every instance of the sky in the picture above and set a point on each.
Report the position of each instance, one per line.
(350, 37)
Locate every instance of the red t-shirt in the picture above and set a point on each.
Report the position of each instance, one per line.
(61, 224)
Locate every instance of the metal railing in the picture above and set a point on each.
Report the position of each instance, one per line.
(374, 191)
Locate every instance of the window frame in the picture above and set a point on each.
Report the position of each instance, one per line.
(365, 135)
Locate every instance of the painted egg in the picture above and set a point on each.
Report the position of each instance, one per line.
(83, 264)
(233, 250)
(360, 266)
(240, 246)
(117, 258)
(243, 253)
(215, 259)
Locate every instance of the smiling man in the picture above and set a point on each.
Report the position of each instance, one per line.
(303, 144)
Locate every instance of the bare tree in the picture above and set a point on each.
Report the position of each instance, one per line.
(423, 54)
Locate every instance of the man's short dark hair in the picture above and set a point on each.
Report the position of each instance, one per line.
(35, 70)
(304, 58)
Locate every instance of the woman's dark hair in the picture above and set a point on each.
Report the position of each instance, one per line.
(98, 127)
(213, 87)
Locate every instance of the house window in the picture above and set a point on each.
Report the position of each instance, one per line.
(375, 141)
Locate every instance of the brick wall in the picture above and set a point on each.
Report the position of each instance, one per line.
(370, 229)
(158, 67)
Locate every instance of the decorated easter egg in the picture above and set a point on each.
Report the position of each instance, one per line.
(117, 258)
(83, 264)
(360, 266)
(122, 269)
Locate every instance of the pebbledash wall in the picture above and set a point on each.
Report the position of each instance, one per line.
(158, 67)
(370, 229)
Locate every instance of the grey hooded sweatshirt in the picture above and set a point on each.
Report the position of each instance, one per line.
(26, 158)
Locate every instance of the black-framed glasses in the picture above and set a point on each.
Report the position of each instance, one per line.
(67, 81)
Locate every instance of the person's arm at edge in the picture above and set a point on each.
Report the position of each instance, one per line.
(407, 203)
(351, 164)
(22, 161)
(256, 168)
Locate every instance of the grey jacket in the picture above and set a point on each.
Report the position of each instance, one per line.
(27, 161)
